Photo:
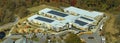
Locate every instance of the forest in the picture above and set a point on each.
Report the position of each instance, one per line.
(10, 8)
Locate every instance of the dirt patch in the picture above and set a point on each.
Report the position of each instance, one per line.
(109, 26)
(110, 30)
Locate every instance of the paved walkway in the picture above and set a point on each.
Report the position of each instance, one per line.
(9, 24)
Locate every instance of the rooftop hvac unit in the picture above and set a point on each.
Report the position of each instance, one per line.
(67, 11)
(39, 22)
(54, 17)
(61, 18)
(58, 18)
(50, 16)
(41, 13)
(73, 13)
(45, 15)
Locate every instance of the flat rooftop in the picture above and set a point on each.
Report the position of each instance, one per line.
(67, 17)
(46, 20)
(79, 11)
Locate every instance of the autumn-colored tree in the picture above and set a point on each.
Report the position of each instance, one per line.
(72, 38)
(22, 12)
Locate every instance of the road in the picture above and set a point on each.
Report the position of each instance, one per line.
(9, 24)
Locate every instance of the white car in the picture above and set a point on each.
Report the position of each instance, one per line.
(101, 27)
(103, 39)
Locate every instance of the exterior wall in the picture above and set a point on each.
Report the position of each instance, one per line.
(78, 27)
(98, 17)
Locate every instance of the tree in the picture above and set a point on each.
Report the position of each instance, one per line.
(6, 16)
(72, 38)
(22, 12)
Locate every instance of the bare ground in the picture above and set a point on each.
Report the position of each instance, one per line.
(110, 30)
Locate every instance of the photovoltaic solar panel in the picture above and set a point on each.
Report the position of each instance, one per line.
(80, 22)
(58, 13)
(86, 18)
(44, 19)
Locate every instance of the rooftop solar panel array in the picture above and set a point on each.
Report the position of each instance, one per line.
(58, 13)
(86, 18)
(80, 22)
(44, 19)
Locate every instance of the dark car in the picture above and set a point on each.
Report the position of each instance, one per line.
(90, 37)
(2, 35)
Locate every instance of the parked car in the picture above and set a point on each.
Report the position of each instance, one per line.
(103, 39)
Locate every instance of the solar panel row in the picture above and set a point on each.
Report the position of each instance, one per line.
(58, 13)
(80, 22)
(86, 18)
(44, 19)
